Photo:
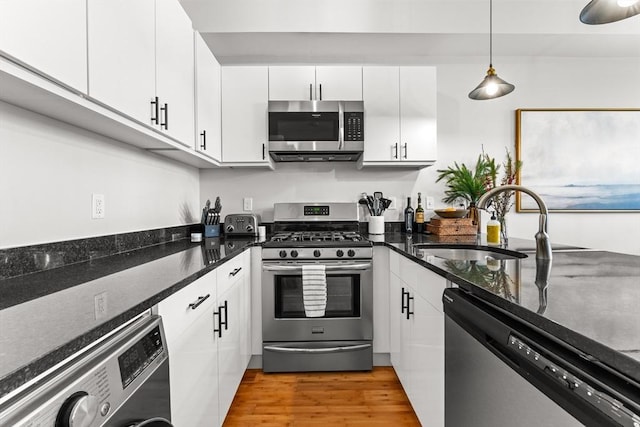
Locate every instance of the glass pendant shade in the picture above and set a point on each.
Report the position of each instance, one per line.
(491, 87)
(606, 11)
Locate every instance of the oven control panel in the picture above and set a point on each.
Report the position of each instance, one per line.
(316, 210)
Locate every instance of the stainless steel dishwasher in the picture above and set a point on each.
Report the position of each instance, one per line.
(121, 382)
(500, 371)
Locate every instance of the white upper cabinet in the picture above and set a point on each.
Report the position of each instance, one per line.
(306, 83)
(122, 55)
(175, 70)
(141, 62)
(47, 36)
(245, 92)
(339, 83)
(400, 116)
(208, 113)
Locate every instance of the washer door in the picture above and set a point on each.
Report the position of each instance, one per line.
(152, 422)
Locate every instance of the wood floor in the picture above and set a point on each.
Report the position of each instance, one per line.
(333, 399)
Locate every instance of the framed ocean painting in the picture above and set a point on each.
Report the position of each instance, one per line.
(581, 160)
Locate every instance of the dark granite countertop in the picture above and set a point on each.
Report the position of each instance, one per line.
(590, 301)
(48, 316)
(45, 317)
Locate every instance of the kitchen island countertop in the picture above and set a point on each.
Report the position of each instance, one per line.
(590, 300)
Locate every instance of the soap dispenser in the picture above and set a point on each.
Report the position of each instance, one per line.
(493, 231)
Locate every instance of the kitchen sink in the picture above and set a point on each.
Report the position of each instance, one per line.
(465, 254)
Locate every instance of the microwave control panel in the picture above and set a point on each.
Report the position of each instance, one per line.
(353, 126)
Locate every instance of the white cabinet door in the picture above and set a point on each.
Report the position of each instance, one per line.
(208, 113)
(418, 118)
(187, 317)
(48, 36)
(231, 363)
(175, 70)
(122, 55)
(400, 116)
(340, 83)
(425, 361)
(244, 115)
(292, 83)
(193, 371)
(381, 88)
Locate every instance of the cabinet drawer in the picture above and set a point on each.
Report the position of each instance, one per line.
(182, 308)
(231, 272)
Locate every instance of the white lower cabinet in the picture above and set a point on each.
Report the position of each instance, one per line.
(417, 337)
(234, 343)
(208, 345)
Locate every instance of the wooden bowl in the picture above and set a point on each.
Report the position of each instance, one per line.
(458, 213)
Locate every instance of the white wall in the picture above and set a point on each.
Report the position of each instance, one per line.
(49, 171)
(463, 127)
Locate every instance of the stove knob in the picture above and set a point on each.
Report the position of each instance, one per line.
(294, 254)
(339, 253)
(316, 253)
(229, 228)
(80, 409)
(351, 253)
(283, 254)
(249, 228)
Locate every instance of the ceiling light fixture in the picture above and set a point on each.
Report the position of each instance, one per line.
(492, 86)
(606, 11)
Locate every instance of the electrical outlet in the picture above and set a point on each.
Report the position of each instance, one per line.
(247, 204)
(430, 204)
(394, 203)
(97, 206)
(100, 304)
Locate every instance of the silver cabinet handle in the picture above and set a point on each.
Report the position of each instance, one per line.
(362, 266)
(200, 300)
(278, 349)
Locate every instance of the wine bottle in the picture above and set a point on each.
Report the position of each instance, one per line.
(419, 215)
(408, 217)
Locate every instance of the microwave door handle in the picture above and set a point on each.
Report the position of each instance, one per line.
(360, 266)
(340, 126)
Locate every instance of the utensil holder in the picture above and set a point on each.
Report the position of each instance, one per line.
(376, 225)
(212, 230)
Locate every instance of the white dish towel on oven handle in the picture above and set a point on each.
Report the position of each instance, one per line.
(314, 289)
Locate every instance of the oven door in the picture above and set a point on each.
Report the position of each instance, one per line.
(348, 314)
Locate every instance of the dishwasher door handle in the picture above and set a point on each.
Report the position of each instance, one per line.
(340, 349)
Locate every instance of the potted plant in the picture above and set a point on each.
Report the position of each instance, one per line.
(467, 184)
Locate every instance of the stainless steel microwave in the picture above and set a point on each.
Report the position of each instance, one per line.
(302, 131)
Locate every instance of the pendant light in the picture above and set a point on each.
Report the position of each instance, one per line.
(606, 11)
(492, 86)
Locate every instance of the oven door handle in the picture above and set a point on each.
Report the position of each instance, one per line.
(343, 349)
(341, 267)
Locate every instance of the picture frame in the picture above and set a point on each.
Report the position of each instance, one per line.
(579, 160)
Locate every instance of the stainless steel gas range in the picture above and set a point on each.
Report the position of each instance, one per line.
(308, 237)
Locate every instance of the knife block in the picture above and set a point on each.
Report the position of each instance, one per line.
(212, 230)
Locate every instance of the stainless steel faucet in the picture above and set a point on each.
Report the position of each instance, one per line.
(543, 245)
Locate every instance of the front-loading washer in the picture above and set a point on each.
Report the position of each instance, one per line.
(121, 382)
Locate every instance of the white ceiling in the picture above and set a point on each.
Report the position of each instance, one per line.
(403, 31)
